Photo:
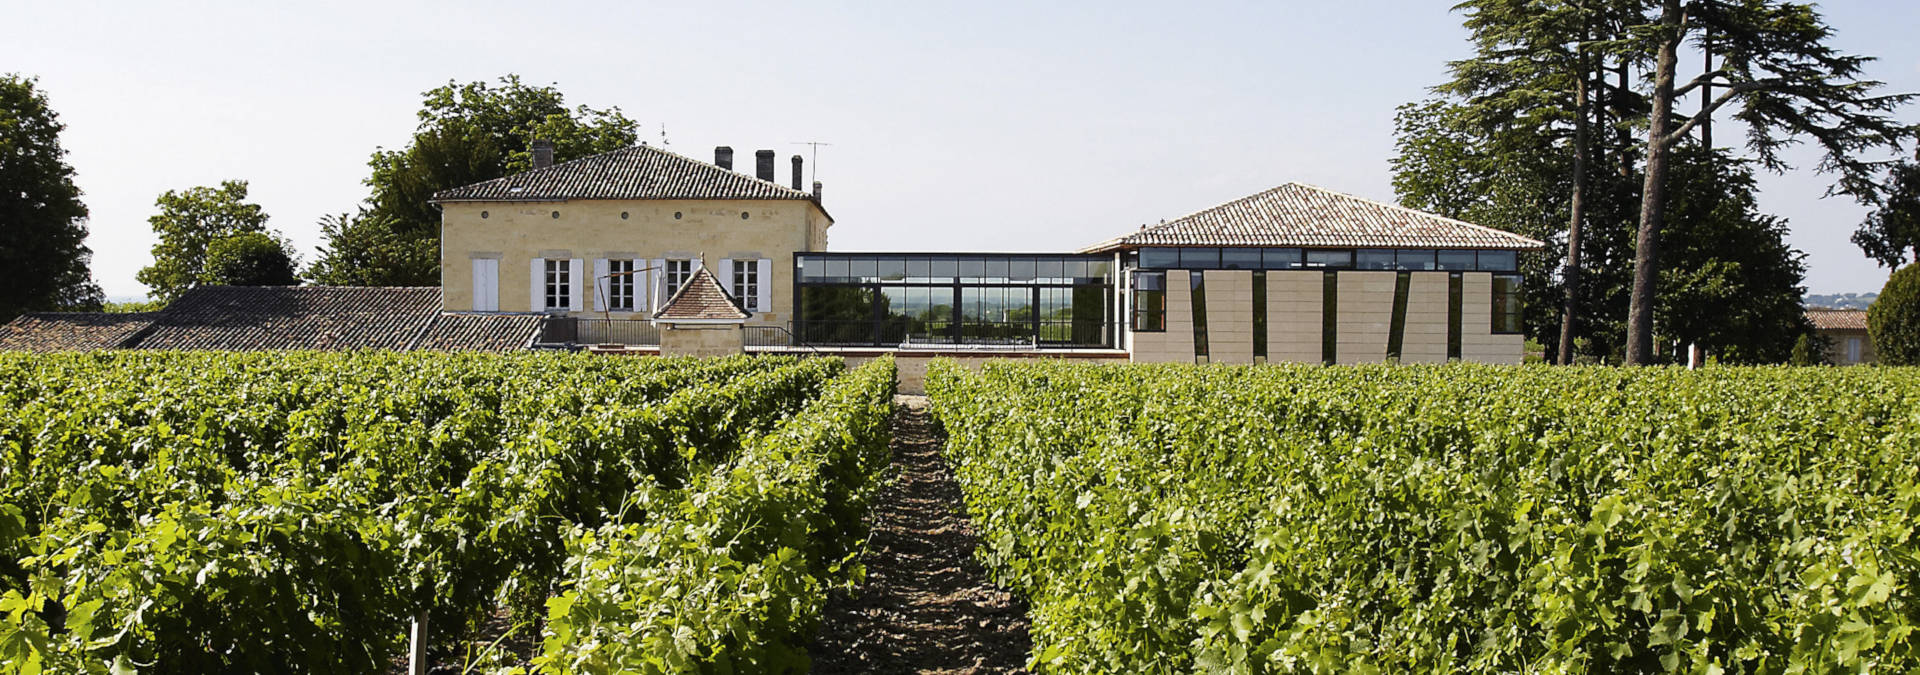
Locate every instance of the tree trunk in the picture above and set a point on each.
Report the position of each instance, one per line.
(1653, 202)
(1571, 276)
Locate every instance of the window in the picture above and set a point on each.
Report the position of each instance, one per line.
(1159, 258)
(1373, 259)
(1853, 350)
(1200, 258)
(559, 284)
(1506, 303)
(678, 272)
(1282, 258)
(1415, 259)
(1240, 258)
(1149, 301)
(1457, 260)
(620, 285)
(1499, 261)
(746, 283)
(1329, 258)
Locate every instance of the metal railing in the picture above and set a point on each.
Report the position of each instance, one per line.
(916, 334)
(632, 332)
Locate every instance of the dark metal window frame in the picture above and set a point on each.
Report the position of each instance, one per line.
(1285, 258)
(873, 330)
(1147, 320)
(1516, 309)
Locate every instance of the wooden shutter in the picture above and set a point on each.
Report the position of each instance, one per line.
(576, 273)
(726, 277)
(659, 285)
(765, 274)
(537, 287)
(601, 284)
(486, 285)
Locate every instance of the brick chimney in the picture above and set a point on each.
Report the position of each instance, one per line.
(542, 153)
(763, 165)
(723, 157)
(796, 172)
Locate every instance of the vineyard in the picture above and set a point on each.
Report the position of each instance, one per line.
(1447, 519)
(199, 513)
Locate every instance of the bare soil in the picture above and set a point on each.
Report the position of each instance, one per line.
(926, 605)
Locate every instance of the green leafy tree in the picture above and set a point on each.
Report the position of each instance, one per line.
(250, 259)
(1735, 285)
(189, 221)
(468, 133)
(360, 250)
(1894, 320)
(43, 255)
(1891, 233)
(1788, 84)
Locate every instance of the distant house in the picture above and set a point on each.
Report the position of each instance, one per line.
(1846, 333)
(267, 318)
(619, 233)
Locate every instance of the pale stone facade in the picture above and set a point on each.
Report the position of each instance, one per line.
(515, 234)
(1363, 320)
(692, 340)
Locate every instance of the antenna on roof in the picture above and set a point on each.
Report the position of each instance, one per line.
(816, 155)
(663, 135)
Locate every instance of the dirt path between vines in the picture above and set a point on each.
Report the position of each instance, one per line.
(926, 605)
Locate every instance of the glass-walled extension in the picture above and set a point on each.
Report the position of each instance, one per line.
(925, 300)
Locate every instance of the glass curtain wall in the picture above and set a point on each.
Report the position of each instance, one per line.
(907, 300)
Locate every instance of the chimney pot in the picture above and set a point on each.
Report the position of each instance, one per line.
(816, 191)
(723, 157)
(763, 164)
(542, 153)
(796, 173)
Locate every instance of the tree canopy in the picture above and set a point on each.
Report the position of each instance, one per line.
(43, 254)
(1891, 233)
(1564, 125)
(1894, 319)
(188, 223)
(250, 259)
(468, 133)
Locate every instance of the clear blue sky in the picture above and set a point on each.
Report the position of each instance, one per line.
(955, 126)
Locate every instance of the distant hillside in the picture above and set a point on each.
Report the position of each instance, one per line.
(1842, 300)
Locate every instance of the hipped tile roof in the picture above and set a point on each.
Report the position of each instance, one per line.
(72, 331)
(261, 318)
(639, 172)
(1305, 216)
(1837, 319)
(701, 299)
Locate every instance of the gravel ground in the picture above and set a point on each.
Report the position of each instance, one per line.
(926, 605)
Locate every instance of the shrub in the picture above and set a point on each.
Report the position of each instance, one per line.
(1894, 318)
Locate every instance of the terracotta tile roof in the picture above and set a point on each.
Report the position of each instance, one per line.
(479, 332)
(72, 331)
(1837, 319)
(639, 172)
(701, 299)
(1297, 215)
(255, 318)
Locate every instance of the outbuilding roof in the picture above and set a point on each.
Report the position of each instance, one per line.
(263, 318)
(1305, 216)
(638, 172)
(701, 299)
(1838, 319)
(72, 331)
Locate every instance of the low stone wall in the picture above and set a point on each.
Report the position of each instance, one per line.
(685, 340)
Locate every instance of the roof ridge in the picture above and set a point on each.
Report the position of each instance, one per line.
(1419, 212)
(587, 163)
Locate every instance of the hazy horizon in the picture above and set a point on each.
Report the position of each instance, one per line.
(977, 127)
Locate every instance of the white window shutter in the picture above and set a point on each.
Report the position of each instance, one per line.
(726, 276)
(765, 272)
(601, 284)
(537, 288)
(576, 271)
